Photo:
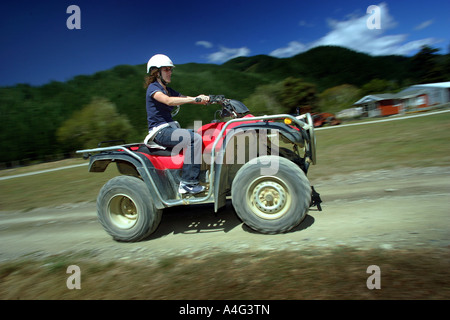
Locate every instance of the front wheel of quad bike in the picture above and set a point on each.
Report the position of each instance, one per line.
(272, 195)
(126, 210)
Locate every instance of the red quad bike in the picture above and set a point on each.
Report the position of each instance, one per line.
(261, 162)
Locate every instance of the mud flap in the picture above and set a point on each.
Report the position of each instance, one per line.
(315, 199)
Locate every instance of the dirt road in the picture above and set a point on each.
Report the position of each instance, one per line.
(389, 209)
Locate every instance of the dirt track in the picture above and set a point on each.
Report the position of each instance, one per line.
(389, 209)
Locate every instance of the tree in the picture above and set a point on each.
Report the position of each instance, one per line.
(296, 93)
(265, 100)
(378, 86)
(97, 121)
(426, 66)
(283, 97)
(338, 98)
(447, 64)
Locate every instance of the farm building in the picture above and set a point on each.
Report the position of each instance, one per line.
(375, 105)
(415, 98)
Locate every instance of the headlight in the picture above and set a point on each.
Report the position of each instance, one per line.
(287, 121)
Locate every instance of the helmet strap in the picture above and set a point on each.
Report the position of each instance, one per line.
(161, 78)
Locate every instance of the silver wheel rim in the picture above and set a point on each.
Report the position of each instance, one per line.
(122, 211)
(268, 198)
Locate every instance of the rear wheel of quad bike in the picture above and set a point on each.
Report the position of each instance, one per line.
(126, 210)
(272, 195)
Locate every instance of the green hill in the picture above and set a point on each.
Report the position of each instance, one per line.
(327, 66)
(32, 115)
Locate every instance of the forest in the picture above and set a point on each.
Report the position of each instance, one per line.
(48, 122)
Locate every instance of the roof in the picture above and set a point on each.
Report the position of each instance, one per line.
(432, 85)
(405, 94)
(410, 92)
(376, 97)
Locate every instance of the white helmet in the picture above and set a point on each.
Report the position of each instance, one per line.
(158, 61)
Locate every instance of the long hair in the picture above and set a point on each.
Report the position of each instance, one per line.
(151, 77)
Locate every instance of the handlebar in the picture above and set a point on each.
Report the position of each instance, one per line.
(217, 99)
(213, 99)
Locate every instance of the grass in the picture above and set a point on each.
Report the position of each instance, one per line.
(416, 142)
(73, 185)
(325, 274)
(331, 274)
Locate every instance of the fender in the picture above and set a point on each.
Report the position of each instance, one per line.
(130, 165)
(221, 181)
(292, 134)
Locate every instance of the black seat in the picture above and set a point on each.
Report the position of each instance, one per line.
(154, 151)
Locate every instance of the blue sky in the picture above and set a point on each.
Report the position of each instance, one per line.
(37, 47)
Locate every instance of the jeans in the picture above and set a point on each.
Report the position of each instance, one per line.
(191, 143)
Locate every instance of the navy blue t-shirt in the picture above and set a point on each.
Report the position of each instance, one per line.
(157, 112)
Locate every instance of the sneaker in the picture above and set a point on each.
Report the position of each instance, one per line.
(190, 188)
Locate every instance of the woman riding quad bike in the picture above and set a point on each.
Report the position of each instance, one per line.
(259, 162)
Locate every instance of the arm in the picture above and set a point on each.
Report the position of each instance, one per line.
(175, 101)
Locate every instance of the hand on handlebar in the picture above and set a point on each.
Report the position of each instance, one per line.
(210, 99)
(202, 99)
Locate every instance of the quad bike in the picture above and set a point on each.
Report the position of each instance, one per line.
(261, 162)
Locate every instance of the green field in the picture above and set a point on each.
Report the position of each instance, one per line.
(337, 273)
(416, 142)
(312, 275)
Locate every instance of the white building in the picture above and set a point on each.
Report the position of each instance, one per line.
(415, 98)
(437, 93)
